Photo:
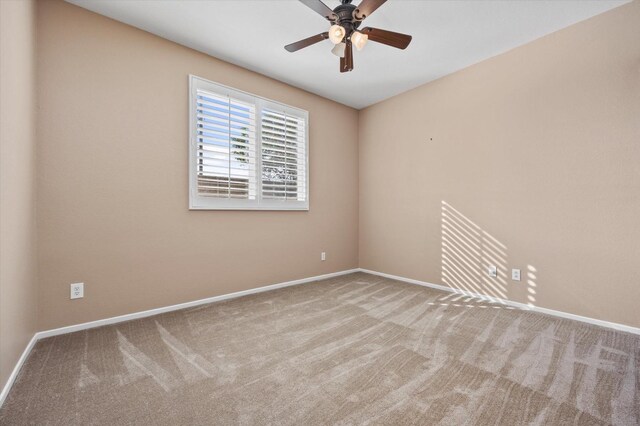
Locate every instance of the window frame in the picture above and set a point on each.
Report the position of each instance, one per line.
(199, 202)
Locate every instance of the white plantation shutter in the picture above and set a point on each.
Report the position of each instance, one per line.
(226, 142)
(245, 152)
(283, 155)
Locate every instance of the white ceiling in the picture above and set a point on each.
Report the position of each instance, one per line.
(447, 36)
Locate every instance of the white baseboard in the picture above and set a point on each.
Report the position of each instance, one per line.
(601, 323)
(128, 317)
(156, 311)
(16, 369)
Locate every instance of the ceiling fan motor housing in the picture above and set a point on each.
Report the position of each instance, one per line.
(346, 17)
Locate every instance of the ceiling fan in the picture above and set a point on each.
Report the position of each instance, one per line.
(344, 33)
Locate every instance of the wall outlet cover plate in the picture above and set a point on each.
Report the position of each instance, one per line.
(77, 291)
(492, 271)
(515, 274)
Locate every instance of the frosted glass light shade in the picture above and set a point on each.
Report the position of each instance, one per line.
(359, 40)
(338, 49)
(336, 33)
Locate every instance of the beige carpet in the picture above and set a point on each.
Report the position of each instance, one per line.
(351, 350)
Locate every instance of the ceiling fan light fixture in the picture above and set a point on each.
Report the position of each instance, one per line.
(359, 40)
(336, 33)
(339, 49)
(344, 20)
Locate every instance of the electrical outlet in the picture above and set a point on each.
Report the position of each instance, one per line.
(492, 270)
(323, 256)
(515, 274)
(77, 291)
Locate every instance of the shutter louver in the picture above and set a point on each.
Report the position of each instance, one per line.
(283, 156)
(226, 140)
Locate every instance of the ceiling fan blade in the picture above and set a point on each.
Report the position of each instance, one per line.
(320, 8)
(401, 41)
(306, 42)
(346, 62)
(367, 7)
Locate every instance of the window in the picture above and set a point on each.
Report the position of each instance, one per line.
(245, 152)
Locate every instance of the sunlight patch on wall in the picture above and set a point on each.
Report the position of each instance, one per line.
(467, 252)
(531, 285)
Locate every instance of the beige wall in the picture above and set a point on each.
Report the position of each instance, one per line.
(536, 154)
(18, 292)
(112, 176)
(526, 160)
